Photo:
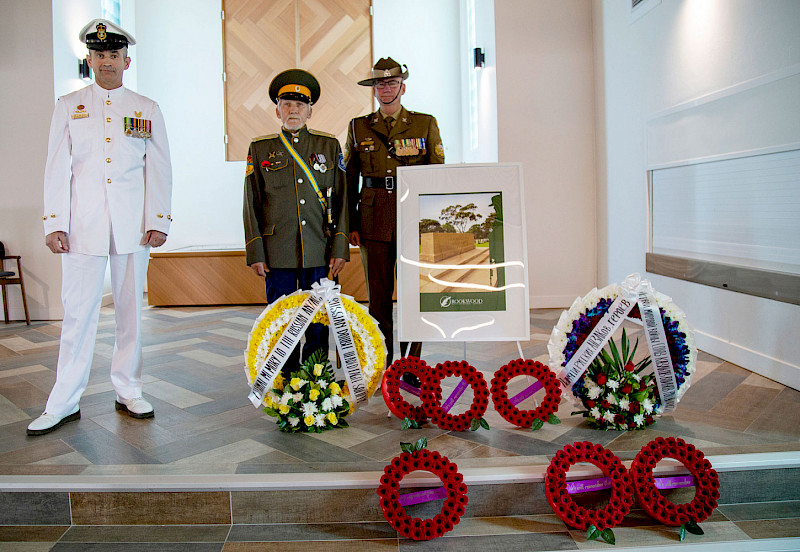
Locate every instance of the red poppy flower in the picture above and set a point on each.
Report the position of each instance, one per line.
(265, 164)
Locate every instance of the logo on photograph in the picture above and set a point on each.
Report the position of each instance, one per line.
(447, 301)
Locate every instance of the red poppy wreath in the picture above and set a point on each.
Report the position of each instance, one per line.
(654, 503)
(392, 383)
(507, 407)
(574, 515)
(452, 507)
(431, 396)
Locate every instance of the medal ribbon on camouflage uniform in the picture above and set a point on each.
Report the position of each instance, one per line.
(305, 169)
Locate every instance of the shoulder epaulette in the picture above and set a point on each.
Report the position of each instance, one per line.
(265, 137)
(320, 133)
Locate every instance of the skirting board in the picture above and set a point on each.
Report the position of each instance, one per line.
(773, 368)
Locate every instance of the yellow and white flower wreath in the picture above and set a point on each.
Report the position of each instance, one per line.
(369, 340)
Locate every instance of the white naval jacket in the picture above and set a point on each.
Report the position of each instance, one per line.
(100, 182)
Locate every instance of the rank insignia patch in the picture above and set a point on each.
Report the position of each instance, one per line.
(249, 169)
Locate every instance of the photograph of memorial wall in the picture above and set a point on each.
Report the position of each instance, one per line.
(460, 242)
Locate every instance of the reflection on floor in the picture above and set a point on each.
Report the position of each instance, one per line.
(204, 424)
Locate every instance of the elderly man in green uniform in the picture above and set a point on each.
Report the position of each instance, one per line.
(377, 144)
(295, 201)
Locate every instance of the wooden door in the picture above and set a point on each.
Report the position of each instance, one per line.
(330, 38)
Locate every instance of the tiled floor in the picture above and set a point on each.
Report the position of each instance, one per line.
(204, 424)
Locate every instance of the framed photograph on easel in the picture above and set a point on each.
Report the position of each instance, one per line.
(462, 258)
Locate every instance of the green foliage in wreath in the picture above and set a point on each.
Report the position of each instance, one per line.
(311, 400)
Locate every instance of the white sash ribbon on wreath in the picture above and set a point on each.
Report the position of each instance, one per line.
(634, 290)
(327, 293)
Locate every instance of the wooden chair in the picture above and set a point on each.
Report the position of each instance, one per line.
(8, 278)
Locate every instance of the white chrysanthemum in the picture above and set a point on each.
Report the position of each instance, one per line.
(337, 400)
(624, 404)
(608, 416)
(636, 376)
(322, 384)
(612, 399)
(285, 398)
(594, 392)
(647, 405)
(613, 384)
(639, 419)
(298, 397)
(327, 404)
(294, 421)
(309, 409)
(595, 412)
(319, 420)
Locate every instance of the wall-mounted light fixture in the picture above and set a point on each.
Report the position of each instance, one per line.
(84, 71)
(480, 58)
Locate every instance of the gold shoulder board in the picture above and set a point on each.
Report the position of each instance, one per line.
(320, 133)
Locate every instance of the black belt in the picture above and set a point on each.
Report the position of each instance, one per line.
(379, 182)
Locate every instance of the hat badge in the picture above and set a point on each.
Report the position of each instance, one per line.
(101, 31)
(296, 88)
(387, 73)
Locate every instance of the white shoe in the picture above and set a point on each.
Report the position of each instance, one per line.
(136, 407)
(47, 422)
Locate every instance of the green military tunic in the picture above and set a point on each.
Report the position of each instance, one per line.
(414, 138)
(284, 224)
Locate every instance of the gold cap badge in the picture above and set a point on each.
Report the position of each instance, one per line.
(101, 31)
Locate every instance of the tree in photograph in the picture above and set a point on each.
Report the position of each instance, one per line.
(460, 216)
(429, 225)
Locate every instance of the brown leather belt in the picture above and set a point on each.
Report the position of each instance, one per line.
(386, 183)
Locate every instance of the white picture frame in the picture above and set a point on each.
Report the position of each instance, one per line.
(481, 289)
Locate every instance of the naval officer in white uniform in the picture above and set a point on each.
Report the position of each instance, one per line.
(107, 194)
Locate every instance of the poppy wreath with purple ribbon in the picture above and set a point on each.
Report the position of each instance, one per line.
(508, 410)
(390, 387)
(574, 515)
(431, 395)
(452, 508)
(654, 503)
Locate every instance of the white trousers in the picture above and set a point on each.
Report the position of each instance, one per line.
(81, 295)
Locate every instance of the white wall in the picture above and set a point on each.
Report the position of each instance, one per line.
(677, 52)
(179, 57)
(429, 45)
(26, 104)
(545, 118)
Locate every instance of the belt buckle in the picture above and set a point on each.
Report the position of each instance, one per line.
(390, 183)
